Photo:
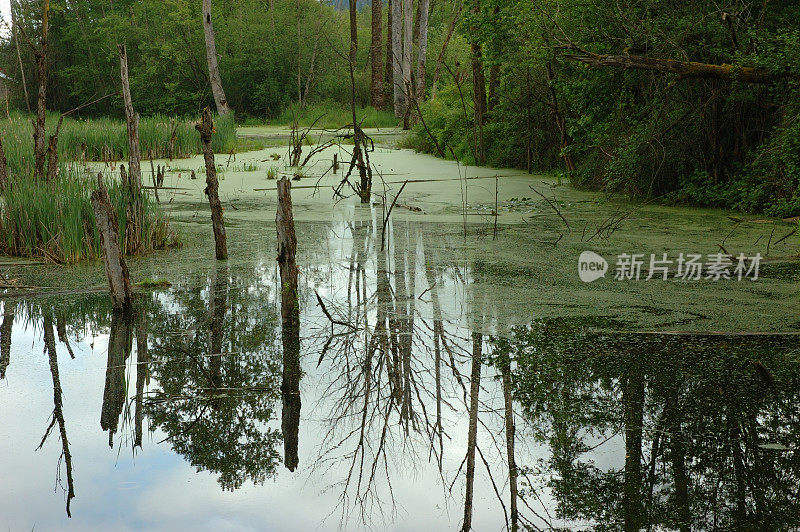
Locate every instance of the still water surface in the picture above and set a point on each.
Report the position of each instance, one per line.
(193, 414)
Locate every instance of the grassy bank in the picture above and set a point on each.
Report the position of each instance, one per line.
(333, 115)
(103, 139)
(57, 224)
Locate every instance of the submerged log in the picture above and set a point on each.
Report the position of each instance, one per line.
(206, 128)
(684, 69)
(290, 319)
(116, 270)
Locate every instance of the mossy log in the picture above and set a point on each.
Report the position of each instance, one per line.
(684, 69)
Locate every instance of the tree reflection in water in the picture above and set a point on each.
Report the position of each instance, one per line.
(216, 370)
(709, 426)
(605, 430)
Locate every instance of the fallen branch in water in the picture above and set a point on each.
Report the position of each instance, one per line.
(328, 314)
(389, 213)
(558, 212)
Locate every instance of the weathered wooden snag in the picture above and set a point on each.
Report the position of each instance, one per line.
(290, 319)
(132, 119)
(134, 214)
(206, 128)
(3, 169)
(116, 270)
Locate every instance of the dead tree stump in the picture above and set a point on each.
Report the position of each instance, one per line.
(116, 270)
(290, 319)
(3, 169)
(206, 128)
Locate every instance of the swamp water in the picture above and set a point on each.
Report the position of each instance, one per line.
(636, 404)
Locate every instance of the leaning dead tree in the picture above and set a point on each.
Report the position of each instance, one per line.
(290, 320)
(684, 69)
(213, 66)
(206, 128)
(133, 237)
(458, 6)
(116, 270)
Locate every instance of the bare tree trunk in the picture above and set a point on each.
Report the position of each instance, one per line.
(9, 313)
(133, 227)
(365, 189)
(388, 79)
(3, 168)
(472, 436)
(206, 127)
(494, 84)
(478, 89)
(633, 404)
(397, 58)
(132, 119)
(120, 341)
(39, 141)
(58, 411)
(424, 8)
(219, 308)
(408, 48)
(52, 159)
(116, 270)
(290, 320)
(142, 375)
(213, 66)
(19, 58)
(677, 456)
(505, 369)
(558, 118)
(440, 60)
(298, 17)
(377, 56)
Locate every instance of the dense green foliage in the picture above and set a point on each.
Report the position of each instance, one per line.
(715, 142)
(270, 54)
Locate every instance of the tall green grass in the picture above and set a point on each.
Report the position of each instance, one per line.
(335, 115)
(56, 222)
(100, 139)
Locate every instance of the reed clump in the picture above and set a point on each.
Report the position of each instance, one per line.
(55, 222)
(106, 139)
